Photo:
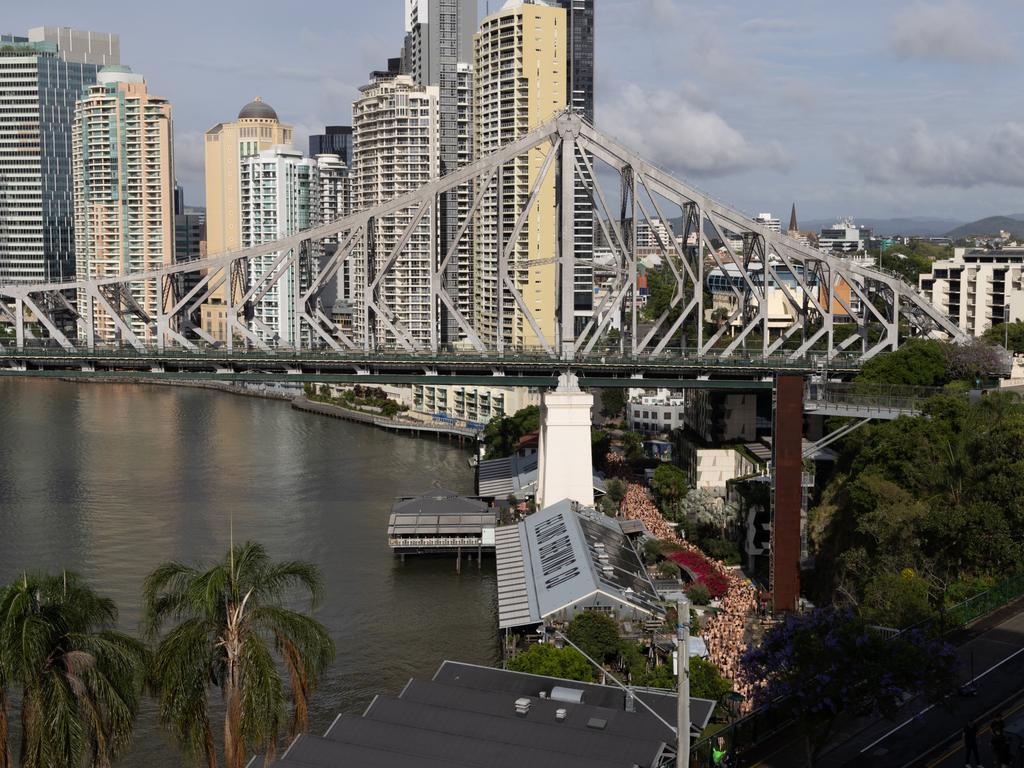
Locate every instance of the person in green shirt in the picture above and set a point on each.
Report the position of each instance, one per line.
(719, 754)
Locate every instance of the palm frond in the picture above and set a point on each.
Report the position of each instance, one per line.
(263, 702)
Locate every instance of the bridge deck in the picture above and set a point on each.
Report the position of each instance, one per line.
(514, 370)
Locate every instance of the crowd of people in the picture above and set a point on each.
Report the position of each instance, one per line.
(726, 633)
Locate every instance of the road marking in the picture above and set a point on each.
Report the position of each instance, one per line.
(959, 747)
(927, 709)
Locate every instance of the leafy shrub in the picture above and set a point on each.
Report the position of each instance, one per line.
(699, 594)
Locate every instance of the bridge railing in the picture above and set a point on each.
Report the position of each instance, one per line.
(43, 349)
(877, 397)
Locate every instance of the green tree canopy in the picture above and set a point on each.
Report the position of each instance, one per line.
(230, 629)
(706, 681)
(502, 433)
(545, 659)
(670, 482)
(1012, 335)
(78, 678)
(613, 401)
(913, 259)
(919, 362)
(942, 495)
(596, 634)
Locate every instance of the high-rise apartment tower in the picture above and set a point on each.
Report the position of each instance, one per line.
(123, 197)
(439, 53)
(520, 82)
(395, 150)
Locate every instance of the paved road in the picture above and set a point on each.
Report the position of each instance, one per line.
(922, 736)
(953, 757)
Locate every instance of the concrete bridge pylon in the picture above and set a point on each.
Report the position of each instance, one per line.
(565, 465)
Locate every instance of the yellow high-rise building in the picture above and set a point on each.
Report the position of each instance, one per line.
(227, 144)
(123, 196)
(520, 61)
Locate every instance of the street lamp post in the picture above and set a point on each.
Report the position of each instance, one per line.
(1006, 326)
(683, 671)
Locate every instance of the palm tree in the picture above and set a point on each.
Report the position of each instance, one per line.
(231, 630)
(80, 680)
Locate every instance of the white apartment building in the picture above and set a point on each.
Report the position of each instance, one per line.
(768, 221)
(471, 404)
(655, 235)
(279, 196)
(123, 179)
(978, 289)
(653, 414)
(395, 150)
(843, 237)
(335, 195)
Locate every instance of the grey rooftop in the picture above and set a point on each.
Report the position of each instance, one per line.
(478, 716)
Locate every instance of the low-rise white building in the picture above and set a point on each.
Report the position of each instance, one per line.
(471, 404)
(978, 289)
(842, 237)
(653, 414)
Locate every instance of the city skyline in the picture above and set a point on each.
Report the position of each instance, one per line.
(878, 115)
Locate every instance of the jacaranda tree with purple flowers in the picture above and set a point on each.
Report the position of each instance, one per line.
(828, 663)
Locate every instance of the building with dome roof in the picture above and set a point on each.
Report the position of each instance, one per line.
(256, 130)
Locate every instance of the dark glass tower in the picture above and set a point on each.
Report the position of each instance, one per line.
(580, 89)
(336, 140)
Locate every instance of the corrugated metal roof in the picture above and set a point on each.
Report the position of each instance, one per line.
(562, 555)
(516, 605)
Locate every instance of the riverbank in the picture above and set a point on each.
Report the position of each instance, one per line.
(264, 391)
(415, 428)
(300, 402)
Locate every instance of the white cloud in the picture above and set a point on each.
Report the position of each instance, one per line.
(955, 30)
(674, 130)
(926, 159)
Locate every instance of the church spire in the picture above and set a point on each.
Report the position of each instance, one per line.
(792, 220)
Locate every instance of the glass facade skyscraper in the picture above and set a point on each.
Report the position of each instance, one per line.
(41, 77)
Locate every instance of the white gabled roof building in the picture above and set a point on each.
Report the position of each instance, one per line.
(567, 559)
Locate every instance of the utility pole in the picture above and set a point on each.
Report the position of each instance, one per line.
(683, 692)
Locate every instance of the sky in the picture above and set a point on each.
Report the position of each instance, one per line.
(893, 109)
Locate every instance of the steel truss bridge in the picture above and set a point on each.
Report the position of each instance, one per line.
(838, 312)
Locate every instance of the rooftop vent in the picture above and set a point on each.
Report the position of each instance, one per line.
(596, 723)
(522, 706)
(560, 714)
(568, 695)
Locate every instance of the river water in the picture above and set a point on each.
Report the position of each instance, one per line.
(109, 480)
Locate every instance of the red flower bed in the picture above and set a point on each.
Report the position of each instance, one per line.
(704, 570)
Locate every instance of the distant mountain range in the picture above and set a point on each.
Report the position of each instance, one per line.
(920, 226)
(991, 226)
(917, 226)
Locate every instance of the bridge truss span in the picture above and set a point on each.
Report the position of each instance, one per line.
(726, 286)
